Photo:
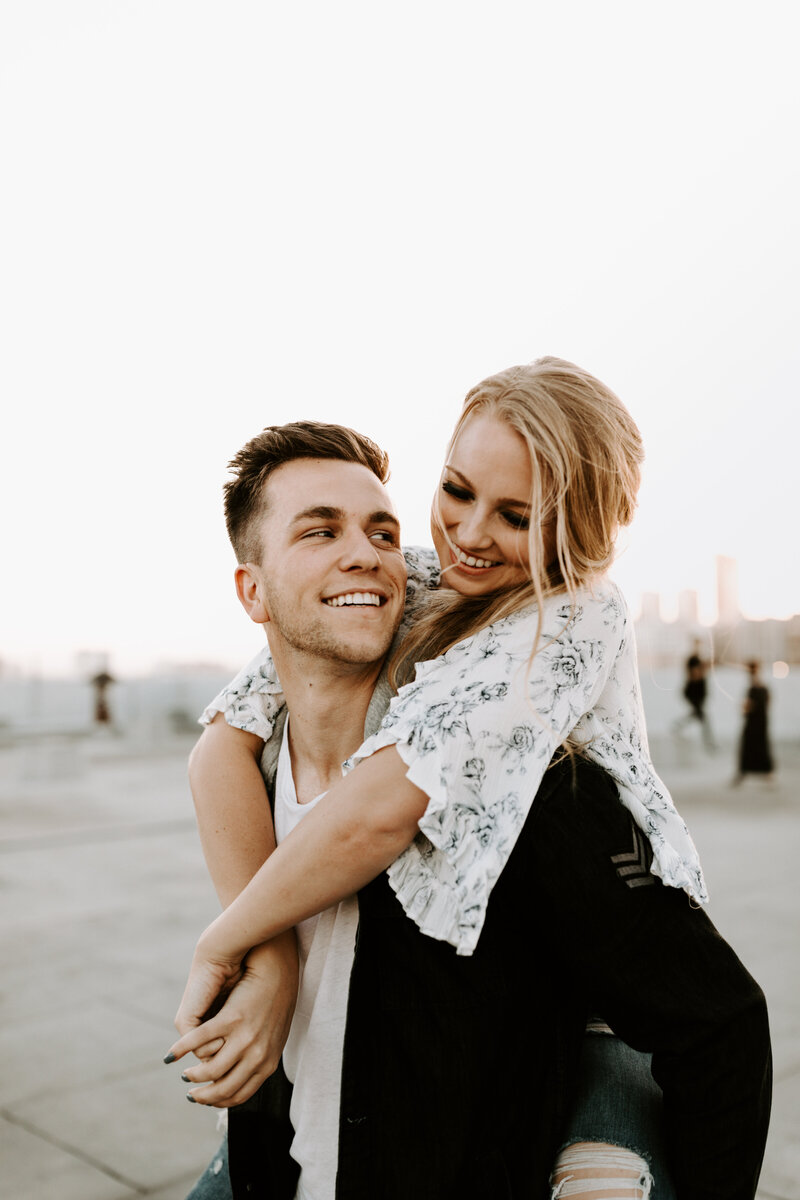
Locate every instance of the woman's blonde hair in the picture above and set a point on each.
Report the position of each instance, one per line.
(586, 454)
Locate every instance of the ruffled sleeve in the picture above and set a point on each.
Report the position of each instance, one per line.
(252, 700)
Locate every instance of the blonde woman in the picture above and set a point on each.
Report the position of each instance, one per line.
(525, 652)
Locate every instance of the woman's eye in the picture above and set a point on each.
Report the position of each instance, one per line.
(454, 490)
(516, 520)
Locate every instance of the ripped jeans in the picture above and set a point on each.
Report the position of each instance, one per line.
(618, 1103)
(215, 1182)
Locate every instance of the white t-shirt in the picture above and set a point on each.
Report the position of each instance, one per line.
(312, 1058)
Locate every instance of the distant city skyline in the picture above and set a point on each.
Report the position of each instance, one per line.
(730, 638)
(686, 604)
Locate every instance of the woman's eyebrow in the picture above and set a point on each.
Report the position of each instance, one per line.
(460, 474)
(503, 502)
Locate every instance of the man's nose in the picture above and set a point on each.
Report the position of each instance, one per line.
(358, 552)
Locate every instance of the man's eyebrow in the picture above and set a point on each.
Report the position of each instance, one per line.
(319, 512)
(383, 518)
(504, 502)
(326, 512)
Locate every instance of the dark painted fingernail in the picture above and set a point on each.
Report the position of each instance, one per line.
(170, 1058)
(190, 1098)
(185, 1078)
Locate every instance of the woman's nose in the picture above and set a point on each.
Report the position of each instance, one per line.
(473, 530)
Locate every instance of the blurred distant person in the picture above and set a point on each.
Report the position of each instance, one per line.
(102, 710)
(755, 754)
(695, 691)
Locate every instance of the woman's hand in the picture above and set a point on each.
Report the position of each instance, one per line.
(211, 976)
(241, 1046)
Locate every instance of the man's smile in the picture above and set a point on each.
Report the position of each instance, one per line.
(357, 599)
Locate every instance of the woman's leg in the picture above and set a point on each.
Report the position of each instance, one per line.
(600, 1171)
(215, 1182)
(613, 1146)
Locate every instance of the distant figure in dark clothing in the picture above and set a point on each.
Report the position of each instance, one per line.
(755, 755)
(694, 691)
(101, 684)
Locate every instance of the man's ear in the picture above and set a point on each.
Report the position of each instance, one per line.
(246, 577)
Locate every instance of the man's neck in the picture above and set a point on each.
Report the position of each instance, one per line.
(327, 704)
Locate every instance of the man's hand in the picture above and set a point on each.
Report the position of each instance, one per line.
(241, 1046)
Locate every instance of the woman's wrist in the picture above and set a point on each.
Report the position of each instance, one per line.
(218, 943)
(280, 949)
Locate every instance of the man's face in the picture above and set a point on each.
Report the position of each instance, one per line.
(332, 576)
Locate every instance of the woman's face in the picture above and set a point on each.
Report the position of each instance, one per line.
(484, 509)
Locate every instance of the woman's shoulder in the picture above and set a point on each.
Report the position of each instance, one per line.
(602, 590)
(422, 565)
(599, 603)
(608, 596)
(592, 613)
(600, 613)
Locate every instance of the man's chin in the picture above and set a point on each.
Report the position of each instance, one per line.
(349, 647)
(361, 651)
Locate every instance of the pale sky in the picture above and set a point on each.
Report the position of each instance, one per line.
(217, 216)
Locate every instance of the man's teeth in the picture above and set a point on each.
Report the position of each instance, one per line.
(354, 598)
(469, 561)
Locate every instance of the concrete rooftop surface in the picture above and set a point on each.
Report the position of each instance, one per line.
(104, 892)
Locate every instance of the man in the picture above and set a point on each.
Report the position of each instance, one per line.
(321, 568)
(477, 1110)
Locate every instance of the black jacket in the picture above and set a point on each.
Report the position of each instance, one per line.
(458, 1070)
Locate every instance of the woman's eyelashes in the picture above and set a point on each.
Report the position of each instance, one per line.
(514, 519)
(458, 493)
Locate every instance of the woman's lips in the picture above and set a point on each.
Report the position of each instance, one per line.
(472, 562)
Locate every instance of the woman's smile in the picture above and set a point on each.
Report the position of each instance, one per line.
(464, 559)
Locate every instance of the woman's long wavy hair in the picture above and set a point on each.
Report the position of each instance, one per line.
(586, 454)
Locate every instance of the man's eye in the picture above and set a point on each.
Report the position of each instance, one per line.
(318, 533)
(385, 535)
(454, 490)
(516, 520)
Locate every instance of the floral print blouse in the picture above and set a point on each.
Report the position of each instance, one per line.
(476, 731)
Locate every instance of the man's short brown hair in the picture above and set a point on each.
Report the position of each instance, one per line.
(245, 494)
